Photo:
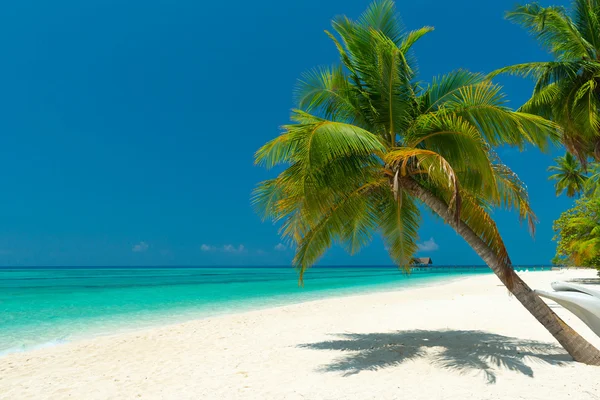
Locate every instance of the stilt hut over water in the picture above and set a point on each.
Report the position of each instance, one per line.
(421, 261)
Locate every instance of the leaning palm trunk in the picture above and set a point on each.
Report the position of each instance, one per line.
(579, 348)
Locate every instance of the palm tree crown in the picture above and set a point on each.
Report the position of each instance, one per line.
(567, 89)
(366, 133)
(569, 175)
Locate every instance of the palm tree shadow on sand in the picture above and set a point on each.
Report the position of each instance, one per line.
(456, 350)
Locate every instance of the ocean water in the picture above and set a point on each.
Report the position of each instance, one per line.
(45, 306)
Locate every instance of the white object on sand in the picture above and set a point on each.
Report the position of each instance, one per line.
(573, 287)
(581, 300)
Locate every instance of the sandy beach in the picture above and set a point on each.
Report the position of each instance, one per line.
(467, 339)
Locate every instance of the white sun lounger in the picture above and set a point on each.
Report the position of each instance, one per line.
(573, 287)
(581, 300)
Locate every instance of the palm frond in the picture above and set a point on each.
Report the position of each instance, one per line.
(586, 19)
(315, 142)
(356, 209)
(410, 38)
(327, 92)
(443, 87)
(545, 71)
(381, 16)
(541, 103)
(399, 222)
(484, 106)
(554, 29)
(510, 192)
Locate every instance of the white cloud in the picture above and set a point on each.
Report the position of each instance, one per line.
(228, 248)
(140, 247)
(281, 247)
(428, 245)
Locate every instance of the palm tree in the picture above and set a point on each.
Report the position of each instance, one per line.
(567, 89)
(368, 144)
(592, 182)
(569, 175)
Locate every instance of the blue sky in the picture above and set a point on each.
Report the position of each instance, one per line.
(128, 128)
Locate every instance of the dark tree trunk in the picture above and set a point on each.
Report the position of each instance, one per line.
(579, 348)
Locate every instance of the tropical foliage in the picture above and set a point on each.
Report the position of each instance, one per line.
(592, 182)
(569, 175)
(365, 128)
(578, 234)
(567, 89)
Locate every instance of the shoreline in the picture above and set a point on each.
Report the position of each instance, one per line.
(367, 345)
(163, 318)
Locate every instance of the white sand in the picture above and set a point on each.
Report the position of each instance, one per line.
(474, 342)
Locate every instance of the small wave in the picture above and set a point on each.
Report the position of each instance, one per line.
(23, 348)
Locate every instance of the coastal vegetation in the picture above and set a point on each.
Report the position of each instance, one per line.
(578, 234)
(369, 145)
(578, 229)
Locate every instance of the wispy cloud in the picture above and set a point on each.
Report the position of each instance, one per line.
(140, 247)
(281, 247)
(428, 245)
(228, 248)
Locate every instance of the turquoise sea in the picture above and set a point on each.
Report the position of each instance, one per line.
(46, 306)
